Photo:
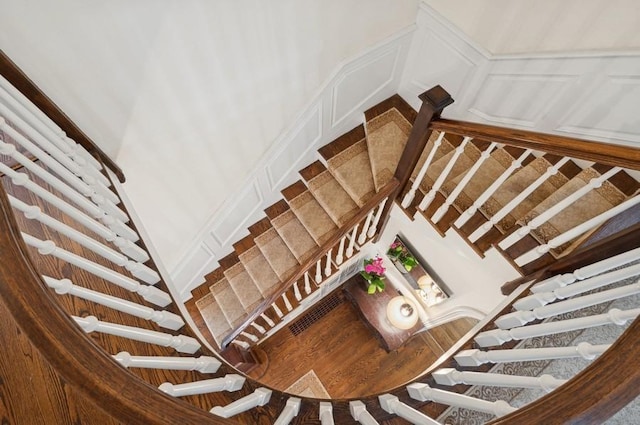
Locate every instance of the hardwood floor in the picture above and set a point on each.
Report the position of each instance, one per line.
(348, 359)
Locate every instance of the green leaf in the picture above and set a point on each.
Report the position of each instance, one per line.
(371, 289)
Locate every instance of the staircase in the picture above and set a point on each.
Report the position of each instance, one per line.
(473, 185)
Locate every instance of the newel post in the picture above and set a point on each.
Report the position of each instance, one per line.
(434, 101)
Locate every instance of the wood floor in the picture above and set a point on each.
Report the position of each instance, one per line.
(348, 359)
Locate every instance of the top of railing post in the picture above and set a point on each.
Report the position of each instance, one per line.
(437, 98)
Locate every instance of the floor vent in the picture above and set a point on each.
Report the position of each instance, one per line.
(316, 313)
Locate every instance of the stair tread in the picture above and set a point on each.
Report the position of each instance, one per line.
(294, 235)
(313, 217)
(444, 148)
(213, 317)
(343, 142)
(243, 286)
(352, 169)
(387, 135)
(329, 194)
(229, 303)
(464, 162)
(396, 101)
(276, 252)
(259, 269)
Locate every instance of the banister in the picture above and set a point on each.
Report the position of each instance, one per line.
(609, 154)
(69, 351)
(311, 261)
(22, 83)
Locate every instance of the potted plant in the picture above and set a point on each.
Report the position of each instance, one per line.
(401, 257)
(373, 273)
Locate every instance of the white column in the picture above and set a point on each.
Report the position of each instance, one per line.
(318, 276)
(423, 392)
(181, 343)
(475, 357)
(257, 327)
(242, 344)
(586, 271)
(557, 208)
(502, 213)
(290, 411)
(429, 197)
(522, 317)
(230, 382)
(326, 413)
(287, 303)
(267, 319)
(352, 243)
(359, 413)
(296, 291)
(250, 337)
(365, 228)
(327, 264)
(576, 231)
(259, 397)
(149, 293)
(307, 283)
(340, 255)
(277, 310)
(500, 336)
(376, 220)
(32, 212)
(391, 404)
(540, 298)
(163, 318)
(442, 210)
(202, 364)
(452, 377)
(410, 196)
(517, 163)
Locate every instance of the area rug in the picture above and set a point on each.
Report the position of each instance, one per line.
(308, 386)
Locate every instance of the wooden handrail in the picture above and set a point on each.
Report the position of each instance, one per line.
(609, 154)
(24, 85)
(311, 261)
(70, 352)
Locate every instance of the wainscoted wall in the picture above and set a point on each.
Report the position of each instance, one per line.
(337, 108)
(592, 95)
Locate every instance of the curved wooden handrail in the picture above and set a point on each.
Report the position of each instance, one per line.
(22, 83)
(609, 154)
(388, 189)
(70, 352)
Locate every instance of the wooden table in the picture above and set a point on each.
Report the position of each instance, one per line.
(372, 309)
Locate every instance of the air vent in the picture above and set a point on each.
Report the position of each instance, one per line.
(316, 313)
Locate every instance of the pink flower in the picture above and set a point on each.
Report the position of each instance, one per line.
(395, 245)
(375, 267)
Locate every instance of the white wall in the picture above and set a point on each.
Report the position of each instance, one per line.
(525, 26)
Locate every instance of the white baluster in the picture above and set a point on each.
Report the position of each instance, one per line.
(500, 336)
(230, 382)
(391, 404)
(326, 413)
(277, 310)
(452, 377)
(423, 392)
(307, 283)
(352, 242)
(149, 293)
(442, 210)
(202, 364)
(539, 299)
(290, 411)
(259, 397)
(181, 343)
(557, 208)
(576, 231)
(327, 264)
(522, 317)
(318, 276)
(296, 292)
(376, 220)
(340, 255)
(249, 336)
(586, 271)
(515, 164)
(242, 344)
(258, 327)
(410, 196)
(359, 413)
(163, 318)
(267, 319)
(429, 197)
(502, 213)
(477, 357)
(140, 271)
(287, 304)
(363, 234)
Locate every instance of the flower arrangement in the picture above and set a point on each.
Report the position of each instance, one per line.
(374, 274)
(399, 254)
